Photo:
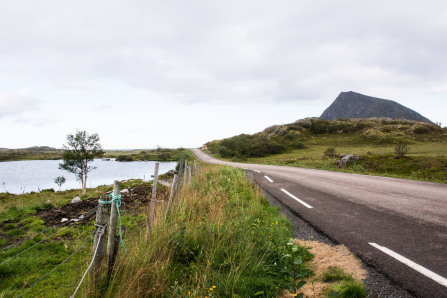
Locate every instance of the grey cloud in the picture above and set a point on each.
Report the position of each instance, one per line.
(230, 51)
(16, 103)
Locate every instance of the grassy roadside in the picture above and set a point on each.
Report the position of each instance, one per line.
(221, 239)
(424, 162)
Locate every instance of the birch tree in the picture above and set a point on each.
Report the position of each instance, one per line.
(80, 150)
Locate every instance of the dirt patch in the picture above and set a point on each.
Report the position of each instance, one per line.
(326, 256)
(86, 207)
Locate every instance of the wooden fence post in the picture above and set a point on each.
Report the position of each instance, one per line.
(112, 239)
(99, 242)
(190, 177)
(154, 194)
(185, 174)
(171, 195)
(195, 168)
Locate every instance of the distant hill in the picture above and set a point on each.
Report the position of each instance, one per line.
(350, 105)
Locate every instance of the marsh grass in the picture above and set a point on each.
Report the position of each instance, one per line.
(221, 239)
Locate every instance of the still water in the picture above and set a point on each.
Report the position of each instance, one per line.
(32, 175)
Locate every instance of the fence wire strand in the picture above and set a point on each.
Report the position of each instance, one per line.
(101, 233)
(89, 212)
(7, 260)
(60, 264)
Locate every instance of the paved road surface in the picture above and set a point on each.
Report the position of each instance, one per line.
(397, 226)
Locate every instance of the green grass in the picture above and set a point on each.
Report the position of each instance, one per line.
(221, 239)
(347, 286)
(372, 140)
(336, 274)
(32, 262)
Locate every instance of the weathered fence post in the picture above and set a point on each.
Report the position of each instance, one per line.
(185, 174)
(171, 195)
(154, 194)
(190, 177)
(113, 239)
(99, 242)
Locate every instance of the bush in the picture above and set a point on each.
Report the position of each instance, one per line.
(124, 158)
(330, 152)
(249, 146)
(401, 149)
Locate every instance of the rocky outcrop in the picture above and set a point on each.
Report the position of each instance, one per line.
(346, 159)
(355, 105)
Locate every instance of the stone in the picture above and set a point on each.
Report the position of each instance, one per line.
(171, 173)
(346, 159)
(124, 191)
(64, 219)
(76, 200)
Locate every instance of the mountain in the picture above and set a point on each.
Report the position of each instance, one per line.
(355, 105)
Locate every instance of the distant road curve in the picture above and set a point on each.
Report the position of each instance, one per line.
(397, 226)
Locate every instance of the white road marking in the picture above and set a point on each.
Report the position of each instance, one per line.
(268, 178)
(430, 274)
(293, 197)
(257, 171)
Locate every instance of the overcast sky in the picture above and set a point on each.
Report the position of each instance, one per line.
(144, 73)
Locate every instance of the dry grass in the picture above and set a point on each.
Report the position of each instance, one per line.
(325, 257)
(220, 232)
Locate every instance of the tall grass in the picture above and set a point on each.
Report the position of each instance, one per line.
(221, 239)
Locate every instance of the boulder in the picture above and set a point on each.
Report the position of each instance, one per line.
(171, 173)
(124, 191)
(64, 219)
(76, 200)
(346, 159)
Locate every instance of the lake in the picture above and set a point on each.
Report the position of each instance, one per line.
(32, 175)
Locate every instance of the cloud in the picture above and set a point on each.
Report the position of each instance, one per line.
(228, 52)
(16, 103)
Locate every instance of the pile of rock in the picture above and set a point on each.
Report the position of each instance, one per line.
(346, 159)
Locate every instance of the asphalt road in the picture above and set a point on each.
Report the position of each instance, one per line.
(397, 226)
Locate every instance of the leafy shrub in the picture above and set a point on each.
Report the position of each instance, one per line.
(124, 158)
(330, 152)
(249, 146)
(401, 149)
(422, 129)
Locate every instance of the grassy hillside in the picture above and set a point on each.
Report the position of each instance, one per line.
(305, 144)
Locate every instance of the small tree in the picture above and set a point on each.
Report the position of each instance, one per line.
(59, 181)
(401, 149)
(81, 149)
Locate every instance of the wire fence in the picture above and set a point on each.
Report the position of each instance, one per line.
(70, 283)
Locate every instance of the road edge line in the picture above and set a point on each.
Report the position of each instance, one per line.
(430, 274)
